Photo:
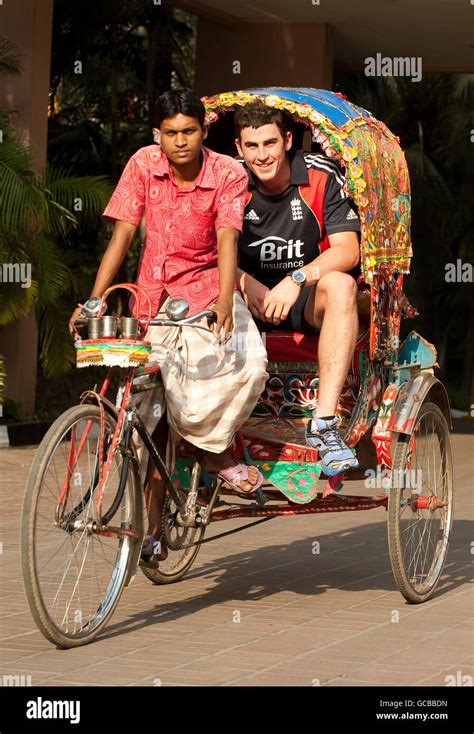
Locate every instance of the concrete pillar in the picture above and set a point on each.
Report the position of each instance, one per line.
(263, 54)
(29, 27)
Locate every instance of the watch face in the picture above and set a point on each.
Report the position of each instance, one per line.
(298, 276)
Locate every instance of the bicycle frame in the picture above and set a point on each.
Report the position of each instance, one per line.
(127, 419)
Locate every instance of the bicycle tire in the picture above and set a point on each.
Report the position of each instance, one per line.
(32, 545)
(399, 509)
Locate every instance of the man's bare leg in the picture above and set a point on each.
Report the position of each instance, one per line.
(332, 308)
(155, 488)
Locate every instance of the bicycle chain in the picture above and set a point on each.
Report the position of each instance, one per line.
(229, 532)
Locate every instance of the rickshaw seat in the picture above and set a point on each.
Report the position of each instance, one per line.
(289, 346)
(291, 390)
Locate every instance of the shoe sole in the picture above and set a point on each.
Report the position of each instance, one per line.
(331, 471)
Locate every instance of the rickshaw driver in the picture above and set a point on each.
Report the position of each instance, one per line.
(192, 199)
(298, 245)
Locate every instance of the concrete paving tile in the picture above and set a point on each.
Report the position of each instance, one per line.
(298, 613)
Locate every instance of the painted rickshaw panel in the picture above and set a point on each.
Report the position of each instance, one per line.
(377, 179)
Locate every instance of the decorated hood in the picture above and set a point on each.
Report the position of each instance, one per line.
(376, 171)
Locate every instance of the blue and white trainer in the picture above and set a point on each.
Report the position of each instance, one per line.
(336, 457)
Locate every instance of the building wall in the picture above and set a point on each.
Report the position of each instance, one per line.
(29, 27)
(263, 54)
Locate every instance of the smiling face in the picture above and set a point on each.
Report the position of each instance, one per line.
(264, 150)
(181, 139)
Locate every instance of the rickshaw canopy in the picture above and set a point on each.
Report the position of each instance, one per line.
(376, 172)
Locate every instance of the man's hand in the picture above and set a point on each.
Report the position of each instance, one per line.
(279, 300)
(75, 315)
(225, 323)
(253, 293)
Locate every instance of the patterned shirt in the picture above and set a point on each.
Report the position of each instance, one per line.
(179, 254)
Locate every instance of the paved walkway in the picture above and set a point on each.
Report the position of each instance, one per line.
(305, 619)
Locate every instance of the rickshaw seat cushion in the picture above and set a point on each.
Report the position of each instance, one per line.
(289, 346)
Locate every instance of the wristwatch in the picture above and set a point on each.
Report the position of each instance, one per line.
(298, 277)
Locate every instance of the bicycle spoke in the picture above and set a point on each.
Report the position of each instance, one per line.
(421, 521)
(78, 573)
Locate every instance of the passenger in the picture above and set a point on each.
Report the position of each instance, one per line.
(298, 255)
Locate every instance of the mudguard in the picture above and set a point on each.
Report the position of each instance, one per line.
(412, 396)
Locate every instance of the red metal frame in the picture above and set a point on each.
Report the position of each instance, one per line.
(340, 503)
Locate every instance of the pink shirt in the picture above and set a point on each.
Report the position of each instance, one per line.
(179, 255)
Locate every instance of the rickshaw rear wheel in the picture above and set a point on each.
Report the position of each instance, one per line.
(420, 505)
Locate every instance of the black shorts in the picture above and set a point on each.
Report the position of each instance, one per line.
(295, 321)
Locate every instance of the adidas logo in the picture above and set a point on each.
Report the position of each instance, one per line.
(351, 215)
(252, 215)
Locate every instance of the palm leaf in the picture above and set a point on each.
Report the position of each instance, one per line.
(9, 59)
(20, 198)
(51, 272)
(16, 302)
(74, 198)
(57, 354)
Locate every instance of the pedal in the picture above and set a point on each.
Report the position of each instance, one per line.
(260, 497)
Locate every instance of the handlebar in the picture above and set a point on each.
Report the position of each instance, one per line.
(211, 316)
(190, 321)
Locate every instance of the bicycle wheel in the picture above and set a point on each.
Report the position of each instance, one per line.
(183, 546)
(73, 575)
(420, 505)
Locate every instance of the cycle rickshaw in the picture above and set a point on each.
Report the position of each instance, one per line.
(83, 513)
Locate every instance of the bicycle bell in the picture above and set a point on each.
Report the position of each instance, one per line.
(177, 309)
(91, 307)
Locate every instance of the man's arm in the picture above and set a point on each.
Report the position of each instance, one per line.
(342, 255)
(253, 292)
(110, 263)
(227, 238)
(229, 218)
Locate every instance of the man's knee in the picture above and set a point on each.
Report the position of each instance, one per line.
(340, 286)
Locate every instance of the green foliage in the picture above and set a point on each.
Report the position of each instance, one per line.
(36, 215)
(9, 59)
(11, 411)
(129, 52)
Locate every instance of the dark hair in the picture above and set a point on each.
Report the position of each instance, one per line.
(257, 114)
(178, 101)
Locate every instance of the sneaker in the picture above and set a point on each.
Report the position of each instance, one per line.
(335, 456)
